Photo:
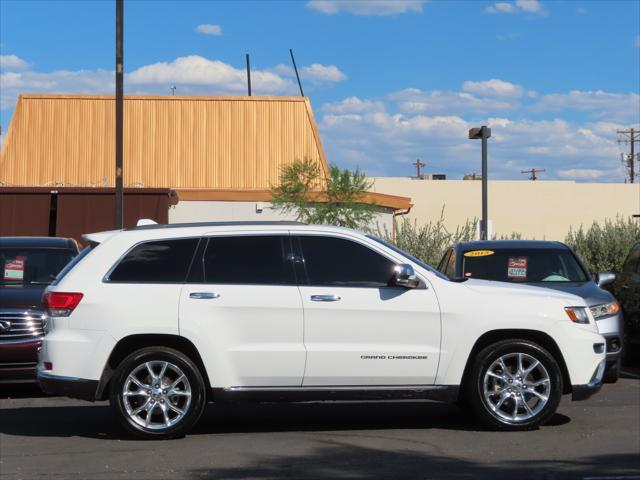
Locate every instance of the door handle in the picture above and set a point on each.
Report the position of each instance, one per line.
(325, 298)
(204, 295)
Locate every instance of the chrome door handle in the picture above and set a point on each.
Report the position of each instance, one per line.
(204, 295)
(325, 298)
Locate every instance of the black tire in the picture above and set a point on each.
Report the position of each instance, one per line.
(509, 350)
(612, 372)
(157, 357)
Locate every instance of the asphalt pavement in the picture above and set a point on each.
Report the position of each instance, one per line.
(58, 438)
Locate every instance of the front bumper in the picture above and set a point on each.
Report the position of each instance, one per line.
(18, 360)
(67, 386)
(582, 392)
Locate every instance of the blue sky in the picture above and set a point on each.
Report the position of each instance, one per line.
(389, 81)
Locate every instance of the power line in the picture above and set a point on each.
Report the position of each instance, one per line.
(532, 173)
(630, 136)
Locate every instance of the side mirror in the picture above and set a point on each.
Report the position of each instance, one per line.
(605, 278)
(405, 276)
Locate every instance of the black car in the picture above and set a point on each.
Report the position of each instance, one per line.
(27, 266)
(626, 288)
(543, 264)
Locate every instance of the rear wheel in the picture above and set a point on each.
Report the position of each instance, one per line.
(157, 393)
(514, 385)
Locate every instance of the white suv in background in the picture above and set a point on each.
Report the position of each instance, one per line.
(161, 319)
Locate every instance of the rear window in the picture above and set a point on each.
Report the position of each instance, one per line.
(163, 261)
(31, 267)
(71, 264)
(523, 266)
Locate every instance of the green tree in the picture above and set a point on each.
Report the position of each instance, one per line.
(336, 200)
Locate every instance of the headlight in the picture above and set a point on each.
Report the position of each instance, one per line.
(605, 310)
(577, 314)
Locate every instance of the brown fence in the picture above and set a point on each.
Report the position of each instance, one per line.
(71, 212)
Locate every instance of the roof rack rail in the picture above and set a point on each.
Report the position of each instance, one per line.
(214, 224)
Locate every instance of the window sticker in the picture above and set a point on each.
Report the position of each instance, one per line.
(517, 267)
(14, 269)
(479, 253)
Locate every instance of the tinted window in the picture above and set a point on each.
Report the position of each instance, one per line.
(252, 260)
(32, 267)
(72, 264)
(343, 263)
(524, 265)
(163, 261)
(450, 270)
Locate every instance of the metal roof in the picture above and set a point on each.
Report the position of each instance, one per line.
(169, 141)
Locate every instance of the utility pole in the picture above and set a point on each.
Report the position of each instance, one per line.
(630, 136)
(533, 177)
(419, 164)
(248, 76)
(119, 111)
(483, 133)
(173, 90)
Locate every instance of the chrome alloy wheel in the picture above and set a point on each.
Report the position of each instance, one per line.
(156, 395)
(516, 387)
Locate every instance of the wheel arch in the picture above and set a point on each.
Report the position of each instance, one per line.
(131, 343)
(541, 338)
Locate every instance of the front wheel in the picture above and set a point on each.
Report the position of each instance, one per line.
(514, 385)
(157, 393)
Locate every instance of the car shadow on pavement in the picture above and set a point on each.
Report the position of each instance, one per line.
(21, 390)
(335, 459)
(97, 420)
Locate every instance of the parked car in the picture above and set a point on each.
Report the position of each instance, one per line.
(626, 288)
(160, 319)
(543, 264)
(27, 266)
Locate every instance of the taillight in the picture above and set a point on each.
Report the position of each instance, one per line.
(61, 304)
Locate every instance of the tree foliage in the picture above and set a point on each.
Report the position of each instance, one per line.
(336, 200)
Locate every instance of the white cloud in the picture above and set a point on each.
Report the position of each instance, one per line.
(367, 7)
(12, 62)
(533, 7)
(413, 101)
(315, 73)
(384, 139)
(199, 74)
(493, 88)
(353, 105)
(62, 81)
(624, 106)
(209, 29)
(581, 174)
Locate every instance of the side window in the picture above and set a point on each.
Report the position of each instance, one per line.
(160, 261)
(251, 260)
(450, 271)
(443, 262)
(344, 263)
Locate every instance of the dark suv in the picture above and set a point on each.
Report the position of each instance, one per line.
(27, 266)
(543, 264)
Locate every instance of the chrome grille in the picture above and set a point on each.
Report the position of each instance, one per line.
(21, 324)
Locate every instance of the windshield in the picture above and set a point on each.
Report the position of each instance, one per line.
(523, 266)
(31, 267)
(410, 257)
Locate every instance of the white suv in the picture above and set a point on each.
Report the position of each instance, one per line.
(161, 319)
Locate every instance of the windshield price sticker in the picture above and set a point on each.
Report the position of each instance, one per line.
(14, 269)
(517, 267)
(479, 253)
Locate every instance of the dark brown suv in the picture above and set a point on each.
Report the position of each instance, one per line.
(27, 266)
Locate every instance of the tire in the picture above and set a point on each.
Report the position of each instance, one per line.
(612, 372)
(534, 398)
(149, 398)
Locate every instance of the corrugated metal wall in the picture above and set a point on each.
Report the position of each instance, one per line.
(170, 142)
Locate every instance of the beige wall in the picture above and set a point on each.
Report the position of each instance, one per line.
(222, 211)
(541, 209)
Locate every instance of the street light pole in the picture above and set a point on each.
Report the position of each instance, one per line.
(119, 111)
(483, 133)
